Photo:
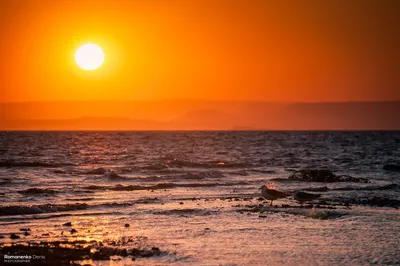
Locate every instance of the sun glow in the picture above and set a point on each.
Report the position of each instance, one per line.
(89, 56)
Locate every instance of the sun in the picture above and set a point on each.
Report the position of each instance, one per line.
(89, 56)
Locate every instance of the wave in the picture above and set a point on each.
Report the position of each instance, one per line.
(175, 163)
(392, 168)
(38, 191)
(109, 175)
(162, 186)
(183, 176)
(46, 208)
(264, 171)
(326, 176)
(80, 199)
(325, 215)
(371, 188)
(8, 164)
(316, 189)
(49, 208)
(199, 212)
(199, 175)
(97, 171)
(374, 201)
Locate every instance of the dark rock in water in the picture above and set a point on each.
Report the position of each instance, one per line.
(146, 253)
(391, 168)
(14, 236)
(24, 229)
(124, 252)
(327, 176)
(126, 225)
(67, 224)
(27, 233)
(100, 256)
(73, 231)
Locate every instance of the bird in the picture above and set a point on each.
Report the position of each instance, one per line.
(271, 194)
(302, 196)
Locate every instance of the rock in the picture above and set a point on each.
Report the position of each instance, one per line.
(67, 224)
(312, 175)
(124, 252)
(146, 254)
(24, 229)
(14, 236)
(47, 234)
(391, 167)
(26, 233)
(155, 249)
(100, 256)
(126, 225)
(73, 231)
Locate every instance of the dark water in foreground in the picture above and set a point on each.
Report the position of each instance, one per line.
(194, 195)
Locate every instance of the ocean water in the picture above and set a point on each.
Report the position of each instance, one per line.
(195, 196)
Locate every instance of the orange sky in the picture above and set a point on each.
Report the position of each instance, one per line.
(220, 50)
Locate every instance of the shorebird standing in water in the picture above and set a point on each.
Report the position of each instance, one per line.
(271, 194)
(301, 196)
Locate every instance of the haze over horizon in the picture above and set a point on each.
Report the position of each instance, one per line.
(198, 115)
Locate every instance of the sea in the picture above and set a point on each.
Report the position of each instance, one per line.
(193, 196)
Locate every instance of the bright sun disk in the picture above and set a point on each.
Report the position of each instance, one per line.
(89, 56)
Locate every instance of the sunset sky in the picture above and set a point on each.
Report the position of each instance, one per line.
(263, 50)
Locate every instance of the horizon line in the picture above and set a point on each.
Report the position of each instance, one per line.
(201, 100)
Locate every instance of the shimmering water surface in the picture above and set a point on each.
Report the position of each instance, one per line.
(195, 195)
